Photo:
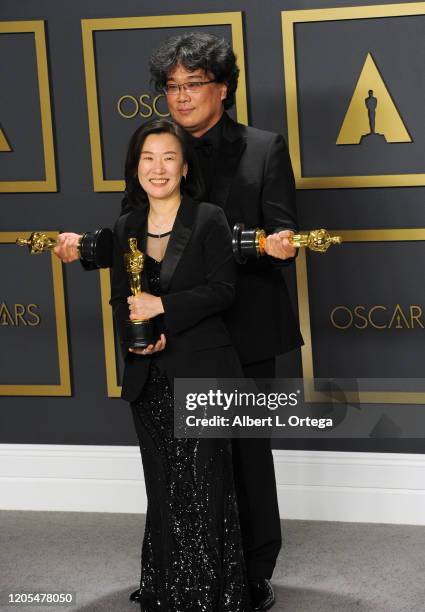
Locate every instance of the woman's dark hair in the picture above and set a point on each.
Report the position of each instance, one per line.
(196, 50)
(192, 186)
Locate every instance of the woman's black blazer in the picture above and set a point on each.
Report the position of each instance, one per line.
(197, 283)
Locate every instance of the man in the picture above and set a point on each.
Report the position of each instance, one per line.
(248, 173)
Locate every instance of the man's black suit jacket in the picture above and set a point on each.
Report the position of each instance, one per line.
(254, 184)
(197, 283)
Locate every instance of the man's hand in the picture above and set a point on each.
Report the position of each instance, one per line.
(144, 306)
(67, 247)
(149, 350)
(278, 245)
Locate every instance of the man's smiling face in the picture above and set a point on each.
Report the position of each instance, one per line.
(196, 111)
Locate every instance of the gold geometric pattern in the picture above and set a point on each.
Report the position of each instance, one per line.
(48, 183)
(90, 26)
(4, 143)
(364, 397)
(356, 124)
(291, 19)
(114, 389)
(63, 388)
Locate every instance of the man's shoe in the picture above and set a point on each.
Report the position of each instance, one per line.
(261, 594)
(136, 596)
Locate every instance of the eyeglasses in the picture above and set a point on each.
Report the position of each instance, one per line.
(173, 89)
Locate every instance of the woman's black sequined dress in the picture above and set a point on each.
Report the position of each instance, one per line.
(192, 558)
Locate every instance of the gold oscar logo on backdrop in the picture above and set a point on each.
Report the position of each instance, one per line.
(372, 113)
(129, 106)
(372, 99)
(4, 143)
(378, 317)
(18, 315)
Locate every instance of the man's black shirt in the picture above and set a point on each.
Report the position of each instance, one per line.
(207, 149)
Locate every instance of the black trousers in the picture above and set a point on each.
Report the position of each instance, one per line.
(256, 493)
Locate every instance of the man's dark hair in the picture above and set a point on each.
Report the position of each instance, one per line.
(135, 194)
(196, 50)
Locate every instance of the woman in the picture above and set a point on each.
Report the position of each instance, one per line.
(191, 556)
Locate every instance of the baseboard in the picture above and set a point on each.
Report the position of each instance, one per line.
(351, 487)
(312, 485)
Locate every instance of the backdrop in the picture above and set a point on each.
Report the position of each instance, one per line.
(345, 85)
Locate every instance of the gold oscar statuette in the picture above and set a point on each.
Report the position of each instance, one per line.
(134, 262)
(248, 244)
(141, 332)
(37, 243)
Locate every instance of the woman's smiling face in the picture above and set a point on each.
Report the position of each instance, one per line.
(161, 166)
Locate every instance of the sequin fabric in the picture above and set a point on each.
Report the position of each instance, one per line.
(192, 558)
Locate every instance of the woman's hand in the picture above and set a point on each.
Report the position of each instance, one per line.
(144, 306)
(152, 348)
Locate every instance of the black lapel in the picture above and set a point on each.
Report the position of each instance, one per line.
(135, 226)
(179, 238)
(233, 144)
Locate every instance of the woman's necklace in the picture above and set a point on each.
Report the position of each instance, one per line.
(160, 228)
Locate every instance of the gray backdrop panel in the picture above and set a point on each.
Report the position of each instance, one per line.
(20, 109)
